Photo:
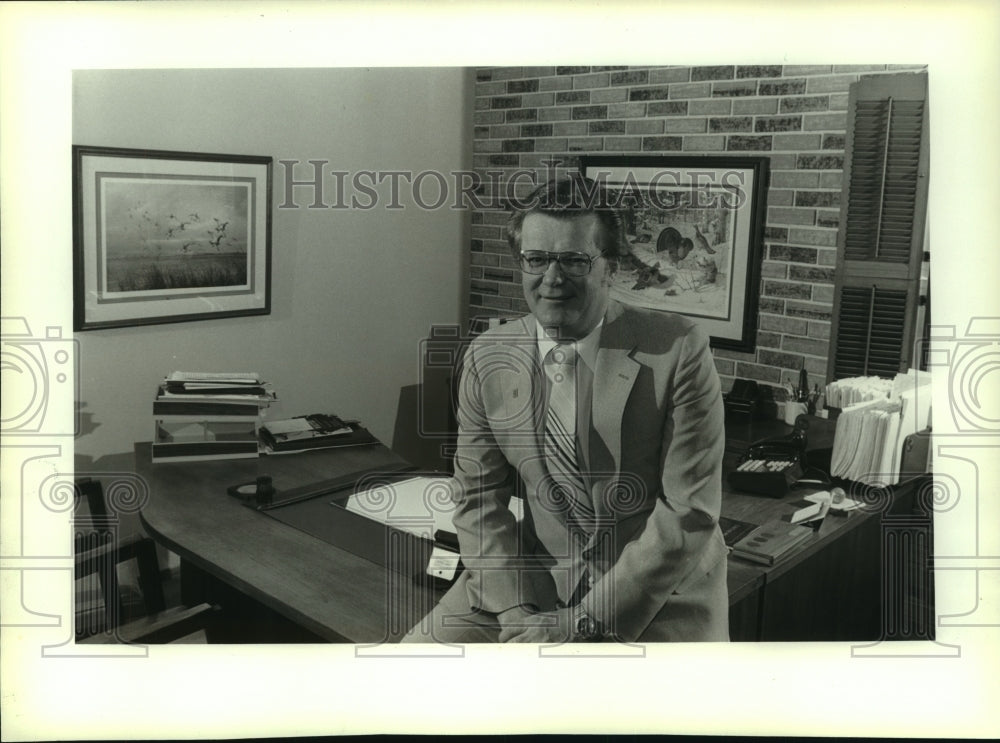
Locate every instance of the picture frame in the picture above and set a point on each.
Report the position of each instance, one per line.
(163, 237)
(695, 226)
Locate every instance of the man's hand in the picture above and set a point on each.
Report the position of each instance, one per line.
(520, 624)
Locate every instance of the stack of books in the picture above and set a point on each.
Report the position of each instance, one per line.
(209, 415)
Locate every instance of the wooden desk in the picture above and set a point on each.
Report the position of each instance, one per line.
(839, 584)
(330, 593)
(830, 589)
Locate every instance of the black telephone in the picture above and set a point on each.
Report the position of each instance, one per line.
(771, 466)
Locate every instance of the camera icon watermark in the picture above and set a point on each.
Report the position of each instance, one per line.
(502, 358)
(414, 544)
(440, 365)
(948, 534)
(40, 381)
(971, 364)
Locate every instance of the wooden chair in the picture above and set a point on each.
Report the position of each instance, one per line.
(130, 614)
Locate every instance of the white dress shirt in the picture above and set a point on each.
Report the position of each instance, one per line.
(586, 351)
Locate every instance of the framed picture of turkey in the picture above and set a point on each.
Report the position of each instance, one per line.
(694, 227)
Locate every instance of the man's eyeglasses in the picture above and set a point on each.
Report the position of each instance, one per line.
(570, 263)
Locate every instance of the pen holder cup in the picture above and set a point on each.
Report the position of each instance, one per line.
(793, 410)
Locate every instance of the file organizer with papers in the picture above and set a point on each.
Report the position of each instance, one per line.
(208, 415)
(871, 435)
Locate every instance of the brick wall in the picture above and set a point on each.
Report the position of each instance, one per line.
(793, 114)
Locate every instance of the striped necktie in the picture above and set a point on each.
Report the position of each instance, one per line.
(560, 429)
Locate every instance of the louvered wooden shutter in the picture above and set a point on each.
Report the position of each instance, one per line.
(880, 244)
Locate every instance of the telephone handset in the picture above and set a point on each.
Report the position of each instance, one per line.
(775, 449)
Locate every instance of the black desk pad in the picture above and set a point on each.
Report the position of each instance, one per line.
(319, 510)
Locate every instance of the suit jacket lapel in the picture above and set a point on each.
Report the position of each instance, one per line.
(518, 424)
(613, 379)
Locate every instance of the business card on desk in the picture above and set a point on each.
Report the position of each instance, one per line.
(837, 506)
(810, 513)
(443, 564)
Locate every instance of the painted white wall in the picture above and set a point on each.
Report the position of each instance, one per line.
(353, 291)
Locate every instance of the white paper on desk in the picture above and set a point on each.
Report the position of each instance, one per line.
(419, 505)
(290, 425)
(443, 563)
(848, 504)
(807, 514)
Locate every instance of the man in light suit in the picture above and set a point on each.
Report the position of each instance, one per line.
(619, 538)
